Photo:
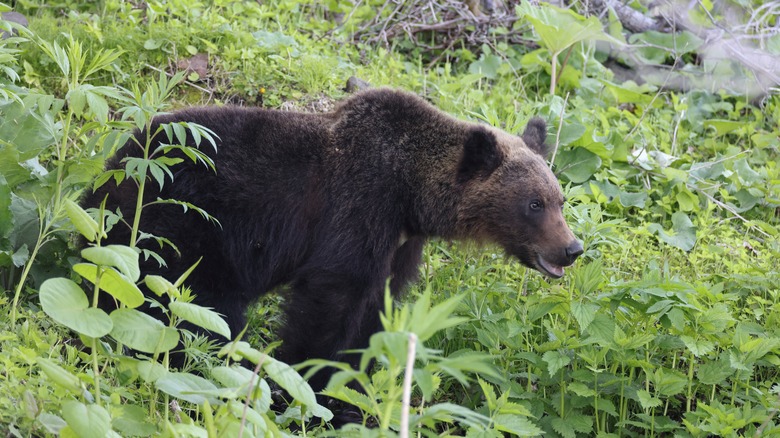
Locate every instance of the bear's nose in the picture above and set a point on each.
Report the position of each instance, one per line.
(573, 251)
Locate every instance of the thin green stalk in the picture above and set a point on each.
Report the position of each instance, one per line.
(43, 232)
(139, 202)
(44, 226)
(596, 402)
(563, 399)
(95, 364)
(690, 384)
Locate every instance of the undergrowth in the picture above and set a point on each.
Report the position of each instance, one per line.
(668, 325)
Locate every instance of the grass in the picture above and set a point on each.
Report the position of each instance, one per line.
(669, 324)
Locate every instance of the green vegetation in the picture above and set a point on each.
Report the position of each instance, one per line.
(668, 325)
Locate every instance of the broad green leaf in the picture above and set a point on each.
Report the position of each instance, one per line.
(581, 389)
(201, 316)
(131, 420)
(160, 285)
(65, 302)
(238, 378)
(559, 28)
(647, 400)
(714, 373)
(188, 387)
(657, 46)
(577, 164)
(87, 421)
(555, 361)
(51, 423)
(516, 425)
(77, 100)
(563, 427)
(292, 382)
(112, 282)
(669, 382)
(603, 328)
(723, 127)
(82, 221)
(150, 371)
(746, 174)
(584, 313)
(141, 332)
(59, 375)
(123, 258)
(699, 347)
(682, 235)
(629, 92)
(274, 41)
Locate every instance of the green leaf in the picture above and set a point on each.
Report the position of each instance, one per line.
(77, 101)
(577, 164)
(82, 221)
(647, 400)
(141, 332)
(746, 174)
(201, 316)
(188, 387)
(602, 328)
(563, 428)
(160, 285)
(122, 257)
(555, 361)
(152, 44)
(682, 235)
(723, 127)
(59, 375)
(112, 282)
(427, 321)
(131, 420)
(292, 382)
(516, 425)
(581, 389)
(65, 302)
(714, 373)
(559, 28)
(87, 421)
(584, 313)
(699, 347)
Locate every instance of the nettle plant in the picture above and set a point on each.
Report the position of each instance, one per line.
(77, 134)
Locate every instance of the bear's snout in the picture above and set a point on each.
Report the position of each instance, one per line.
(573, 251)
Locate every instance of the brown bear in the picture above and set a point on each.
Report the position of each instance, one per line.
(332, 205)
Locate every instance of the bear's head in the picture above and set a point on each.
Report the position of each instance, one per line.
(511, 197)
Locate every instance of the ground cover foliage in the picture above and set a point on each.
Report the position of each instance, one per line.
(668, 325)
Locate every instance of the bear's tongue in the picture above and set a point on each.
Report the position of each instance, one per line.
(553, 270)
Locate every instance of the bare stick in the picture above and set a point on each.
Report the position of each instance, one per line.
(407, 397)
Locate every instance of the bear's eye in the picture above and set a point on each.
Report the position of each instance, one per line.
(536, 205)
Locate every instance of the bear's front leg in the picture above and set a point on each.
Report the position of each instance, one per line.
(327, 314)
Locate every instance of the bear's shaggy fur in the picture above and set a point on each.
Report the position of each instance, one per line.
(333, 205)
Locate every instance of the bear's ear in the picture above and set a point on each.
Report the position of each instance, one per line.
(481, 155)
(535, 135)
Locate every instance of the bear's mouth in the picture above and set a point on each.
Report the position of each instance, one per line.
(549, 269)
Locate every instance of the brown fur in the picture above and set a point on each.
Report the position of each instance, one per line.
(335, 204)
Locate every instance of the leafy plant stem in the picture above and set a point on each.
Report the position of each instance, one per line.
(554, 72)
(96, 370)
(563, 64)
(43, 232)
(140, 199)
(690, 383)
